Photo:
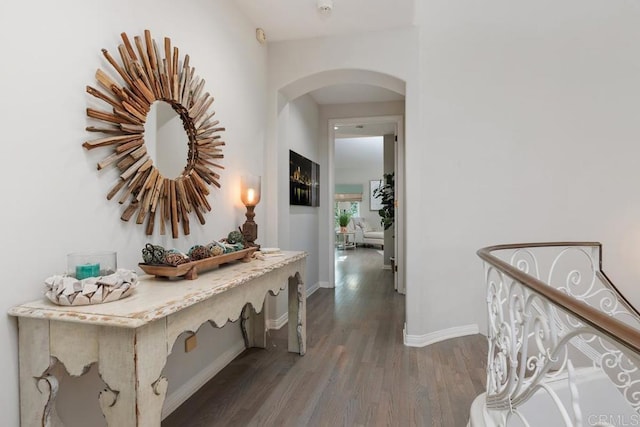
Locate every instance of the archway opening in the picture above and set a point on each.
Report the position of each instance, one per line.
(293, 108)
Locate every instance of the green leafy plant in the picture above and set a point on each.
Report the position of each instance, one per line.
(344, 218)
(386, 194)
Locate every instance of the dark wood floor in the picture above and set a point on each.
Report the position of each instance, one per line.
(356, 372)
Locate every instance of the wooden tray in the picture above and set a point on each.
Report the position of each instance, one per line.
(191, 269)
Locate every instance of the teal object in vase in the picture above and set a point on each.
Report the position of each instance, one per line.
(82, 265)
(87, 270)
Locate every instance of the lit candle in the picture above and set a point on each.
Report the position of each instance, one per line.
(251, 194)
(87, 270)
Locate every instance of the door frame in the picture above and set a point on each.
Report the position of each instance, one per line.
(399, 164)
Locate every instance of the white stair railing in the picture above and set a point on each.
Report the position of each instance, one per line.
(559, 333)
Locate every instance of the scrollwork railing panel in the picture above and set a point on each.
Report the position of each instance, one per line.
(534, 342)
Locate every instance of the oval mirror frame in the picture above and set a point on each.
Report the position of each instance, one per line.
(147, 77)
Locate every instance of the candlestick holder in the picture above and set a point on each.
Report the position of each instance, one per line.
(250, 196)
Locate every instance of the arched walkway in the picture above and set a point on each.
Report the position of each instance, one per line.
(289, 93)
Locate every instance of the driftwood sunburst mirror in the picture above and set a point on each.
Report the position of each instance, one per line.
(144, 79)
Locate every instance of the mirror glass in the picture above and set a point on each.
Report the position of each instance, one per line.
(166, 140)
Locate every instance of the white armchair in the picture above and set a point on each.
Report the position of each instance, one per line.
(366, 234)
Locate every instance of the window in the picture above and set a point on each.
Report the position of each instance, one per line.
(347, 199)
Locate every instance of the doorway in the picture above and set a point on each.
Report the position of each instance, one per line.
(361, 140)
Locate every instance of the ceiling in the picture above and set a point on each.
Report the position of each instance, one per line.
(358, 153)
(358, 130)
(299, 19)
(353, 93)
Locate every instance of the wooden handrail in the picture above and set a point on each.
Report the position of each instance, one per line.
(616, 330)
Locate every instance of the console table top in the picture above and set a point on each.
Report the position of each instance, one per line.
(156, 298)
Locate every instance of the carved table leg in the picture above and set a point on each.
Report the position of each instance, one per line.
(253, 327)
(37, 388)
(151, 358)
(297, 315)
(131, 361)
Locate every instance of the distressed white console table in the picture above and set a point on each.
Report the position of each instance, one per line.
(130, 339)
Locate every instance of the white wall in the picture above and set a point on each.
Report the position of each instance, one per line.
(521, 125)
(359, 174)
(529, 132)
(297, 225)
(54, 197)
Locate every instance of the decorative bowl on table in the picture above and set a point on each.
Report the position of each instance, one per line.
(173, 263)
(67, 290)
(189, 270)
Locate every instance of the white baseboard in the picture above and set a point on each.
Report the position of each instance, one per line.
(282, 320)
(279, 322)
(437, 336)
(325, 285)
(179, 396)
(313, 288)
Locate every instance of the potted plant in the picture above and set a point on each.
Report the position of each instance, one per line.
(386, 194)
(343, 220)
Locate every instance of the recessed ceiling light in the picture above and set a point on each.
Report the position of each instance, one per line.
(335, 128)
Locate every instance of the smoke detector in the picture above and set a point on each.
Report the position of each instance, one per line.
(325, 6)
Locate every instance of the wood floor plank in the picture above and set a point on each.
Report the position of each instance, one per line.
(356, 372)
